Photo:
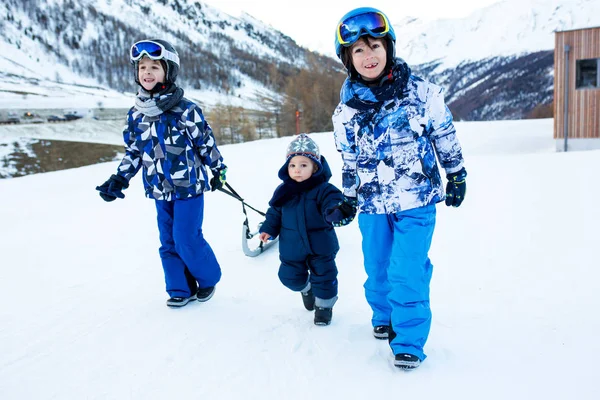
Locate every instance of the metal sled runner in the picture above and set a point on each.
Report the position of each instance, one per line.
(251, 244)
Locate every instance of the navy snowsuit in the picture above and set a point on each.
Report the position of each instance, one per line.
(307, 243)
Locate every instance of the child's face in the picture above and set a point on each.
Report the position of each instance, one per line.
(369, 60)
(150, 72)
(301, 168)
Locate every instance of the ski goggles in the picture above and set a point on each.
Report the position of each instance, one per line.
(352, 28)
(153, 50)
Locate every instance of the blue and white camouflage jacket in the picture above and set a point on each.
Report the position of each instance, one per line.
(173, 148)
(389, 149)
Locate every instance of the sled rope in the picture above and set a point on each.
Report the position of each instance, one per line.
(231, 192)
(236, 196)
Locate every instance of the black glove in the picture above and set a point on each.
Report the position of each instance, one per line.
(456, 188)
(218, 179)
(113, 188)
(343, 213)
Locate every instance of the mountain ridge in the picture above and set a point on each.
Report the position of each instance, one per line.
(496, 63)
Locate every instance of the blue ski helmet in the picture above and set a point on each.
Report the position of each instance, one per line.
(156, 49)
(360, 22)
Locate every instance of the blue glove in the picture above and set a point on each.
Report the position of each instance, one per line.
(456, 188)
(113, 188)
(218, 179)
(343, 213)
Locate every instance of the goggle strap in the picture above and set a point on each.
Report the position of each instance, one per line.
(171, 56)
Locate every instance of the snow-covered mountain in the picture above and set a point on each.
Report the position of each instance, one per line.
(506, 28)
(497, 63)
(86, 42)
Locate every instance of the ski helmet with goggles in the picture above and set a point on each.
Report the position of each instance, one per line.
(361, 22)
(156, 49)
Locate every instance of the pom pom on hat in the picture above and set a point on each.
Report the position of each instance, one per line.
(302, 145)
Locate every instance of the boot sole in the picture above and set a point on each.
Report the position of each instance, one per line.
(407, 366)
(179, 305)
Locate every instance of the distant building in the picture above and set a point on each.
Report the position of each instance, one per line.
(577, 89)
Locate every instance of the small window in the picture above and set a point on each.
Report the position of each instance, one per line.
(587, 73)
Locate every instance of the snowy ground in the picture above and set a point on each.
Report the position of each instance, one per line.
(514, 292)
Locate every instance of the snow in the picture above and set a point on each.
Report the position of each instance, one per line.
(29, 74)
(514, 291)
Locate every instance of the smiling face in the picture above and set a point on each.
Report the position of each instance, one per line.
(301, 168)
(369, 56)
(150, 72)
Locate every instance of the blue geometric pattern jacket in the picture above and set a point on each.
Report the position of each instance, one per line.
(173, 149)
(389, 152)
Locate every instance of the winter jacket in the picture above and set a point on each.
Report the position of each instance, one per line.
(300, 220)
(173, 148)
(389, 150)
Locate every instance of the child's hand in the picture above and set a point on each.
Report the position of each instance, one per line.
(218, 179)
(113, 188)
(456, 188)
(343, 213)
(264, 237)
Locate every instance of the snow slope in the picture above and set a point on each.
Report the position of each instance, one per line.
(514, 292)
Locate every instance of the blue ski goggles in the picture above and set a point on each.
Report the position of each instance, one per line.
(153, 50)
(352, 28)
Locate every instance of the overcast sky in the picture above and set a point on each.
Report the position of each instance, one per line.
(311, 23)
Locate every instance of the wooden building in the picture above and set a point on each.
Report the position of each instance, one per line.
(577, 89)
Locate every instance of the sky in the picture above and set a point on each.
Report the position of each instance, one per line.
(311, 23)
(514, 289)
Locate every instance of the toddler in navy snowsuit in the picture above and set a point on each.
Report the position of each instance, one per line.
(307, 241)
(168, 138)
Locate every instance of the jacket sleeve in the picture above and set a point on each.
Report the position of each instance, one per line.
(330, 197)
(345, 143)
(272, 224)
(132, 161)
(442, 132)
(203, 139)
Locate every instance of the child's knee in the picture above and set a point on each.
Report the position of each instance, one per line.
(292, 280)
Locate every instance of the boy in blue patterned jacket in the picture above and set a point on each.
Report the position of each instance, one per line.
(168, 138)
(301, 214)
(389, 127)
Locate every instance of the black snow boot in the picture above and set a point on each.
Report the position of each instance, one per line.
(204, 294)
(308, 298)
(381, 332)
(176, 302)
(323, 316)
(406, 361)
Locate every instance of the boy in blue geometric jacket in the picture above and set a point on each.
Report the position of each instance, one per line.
(167, 137)
(300, 214)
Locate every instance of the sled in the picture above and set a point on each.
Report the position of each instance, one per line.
(251, 244)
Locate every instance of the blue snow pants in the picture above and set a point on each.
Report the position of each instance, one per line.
(183, 245)
(395, 249)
